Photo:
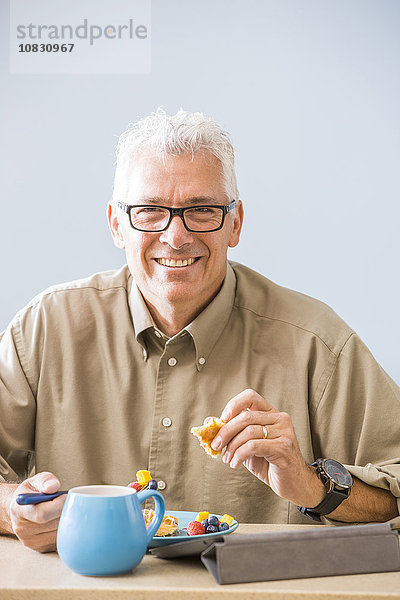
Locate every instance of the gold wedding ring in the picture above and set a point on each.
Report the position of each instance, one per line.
(265, 431)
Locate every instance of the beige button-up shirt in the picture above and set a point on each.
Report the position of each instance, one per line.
(90, 386)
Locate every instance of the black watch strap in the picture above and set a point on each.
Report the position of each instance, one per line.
(328, 504)
(335, 495)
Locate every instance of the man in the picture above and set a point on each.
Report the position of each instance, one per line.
(104, 376)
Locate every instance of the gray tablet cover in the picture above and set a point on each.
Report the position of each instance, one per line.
(295, 554)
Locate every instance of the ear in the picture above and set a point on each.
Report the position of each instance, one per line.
(115, 227)
(237, 225)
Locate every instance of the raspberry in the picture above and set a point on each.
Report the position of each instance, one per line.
(195, 528)
(135, 485)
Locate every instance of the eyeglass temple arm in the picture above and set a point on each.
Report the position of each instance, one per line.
(125, 207)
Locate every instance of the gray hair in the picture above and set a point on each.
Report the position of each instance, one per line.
(174, 135)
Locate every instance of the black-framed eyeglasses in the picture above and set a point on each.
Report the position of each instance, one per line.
(199, 219)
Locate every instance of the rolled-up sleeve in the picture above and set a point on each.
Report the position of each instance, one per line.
(357, 420)
(17, 407)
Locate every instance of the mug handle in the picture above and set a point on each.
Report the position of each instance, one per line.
(159, 508)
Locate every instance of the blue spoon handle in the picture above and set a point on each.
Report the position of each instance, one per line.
(37, 497)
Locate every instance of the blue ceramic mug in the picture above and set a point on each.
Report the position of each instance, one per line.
(102, 529)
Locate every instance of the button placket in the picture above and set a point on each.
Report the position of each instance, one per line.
(176, 353)
(157, 441)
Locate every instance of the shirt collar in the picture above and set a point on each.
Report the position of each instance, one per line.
(205, 329)
(141, 317)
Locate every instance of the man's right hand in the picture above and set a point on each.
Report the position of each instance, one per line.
(36, 524)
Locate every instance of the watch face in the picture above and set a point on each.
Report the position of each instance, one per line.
(338, 473)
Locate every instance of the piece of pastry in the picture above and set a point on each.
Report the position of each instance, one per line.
(169, 524)
(207, 432)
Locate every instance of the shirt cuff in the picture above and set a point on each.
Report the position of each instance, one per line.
(385, 475)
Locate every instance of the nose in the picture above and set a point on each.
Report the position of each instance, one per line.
(176, 235)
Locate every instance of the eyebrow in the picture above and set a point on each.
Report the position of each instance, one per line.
(162, 201)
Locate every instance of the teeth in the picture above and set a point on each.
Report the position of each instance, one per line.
(171, 262)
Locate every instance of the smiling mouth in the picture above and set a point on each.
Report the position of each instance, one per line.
(171, 262)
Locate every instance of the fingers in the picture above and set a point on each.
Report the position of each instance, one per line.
(248, 399)
(246, 419)
(44, 512)
(41, 482)
(36, 524)
(251, 432)
(242, 435)
(279, 429)
(277, 451)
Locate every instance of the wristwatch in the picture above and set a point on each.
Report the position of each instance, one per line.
(338, 482)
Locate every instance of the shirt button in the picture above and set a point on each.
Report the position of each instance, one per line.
(167, 422)
(172, 362)
(202, 360)
(158, 334)
(161, 485)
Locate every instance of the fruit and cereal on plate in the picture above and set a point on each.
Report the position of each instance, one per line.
(204, 523)
(169, 524)
(143, 481)
(207, 432)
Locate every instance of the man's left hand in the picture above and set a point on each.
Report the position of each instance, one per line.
(275, 459)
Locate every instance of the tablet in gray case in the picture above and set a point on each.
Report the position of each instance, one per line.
(295, 554)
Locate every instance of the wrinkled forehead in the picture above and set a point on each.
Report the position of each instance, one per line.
(188, 175)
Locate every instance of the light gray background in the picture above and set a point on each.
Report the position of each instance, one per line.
(309, 90)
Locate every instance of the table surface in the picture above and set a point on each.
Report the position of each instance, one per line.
(25, 574)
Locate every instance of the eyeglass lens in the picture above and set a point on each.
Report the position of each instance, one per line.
(198, 218)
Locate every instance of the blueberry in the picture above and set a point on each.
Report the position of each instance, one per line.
(152, 485)
(213, 520)
(223, 526)
(205, 523)
(212, 529)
